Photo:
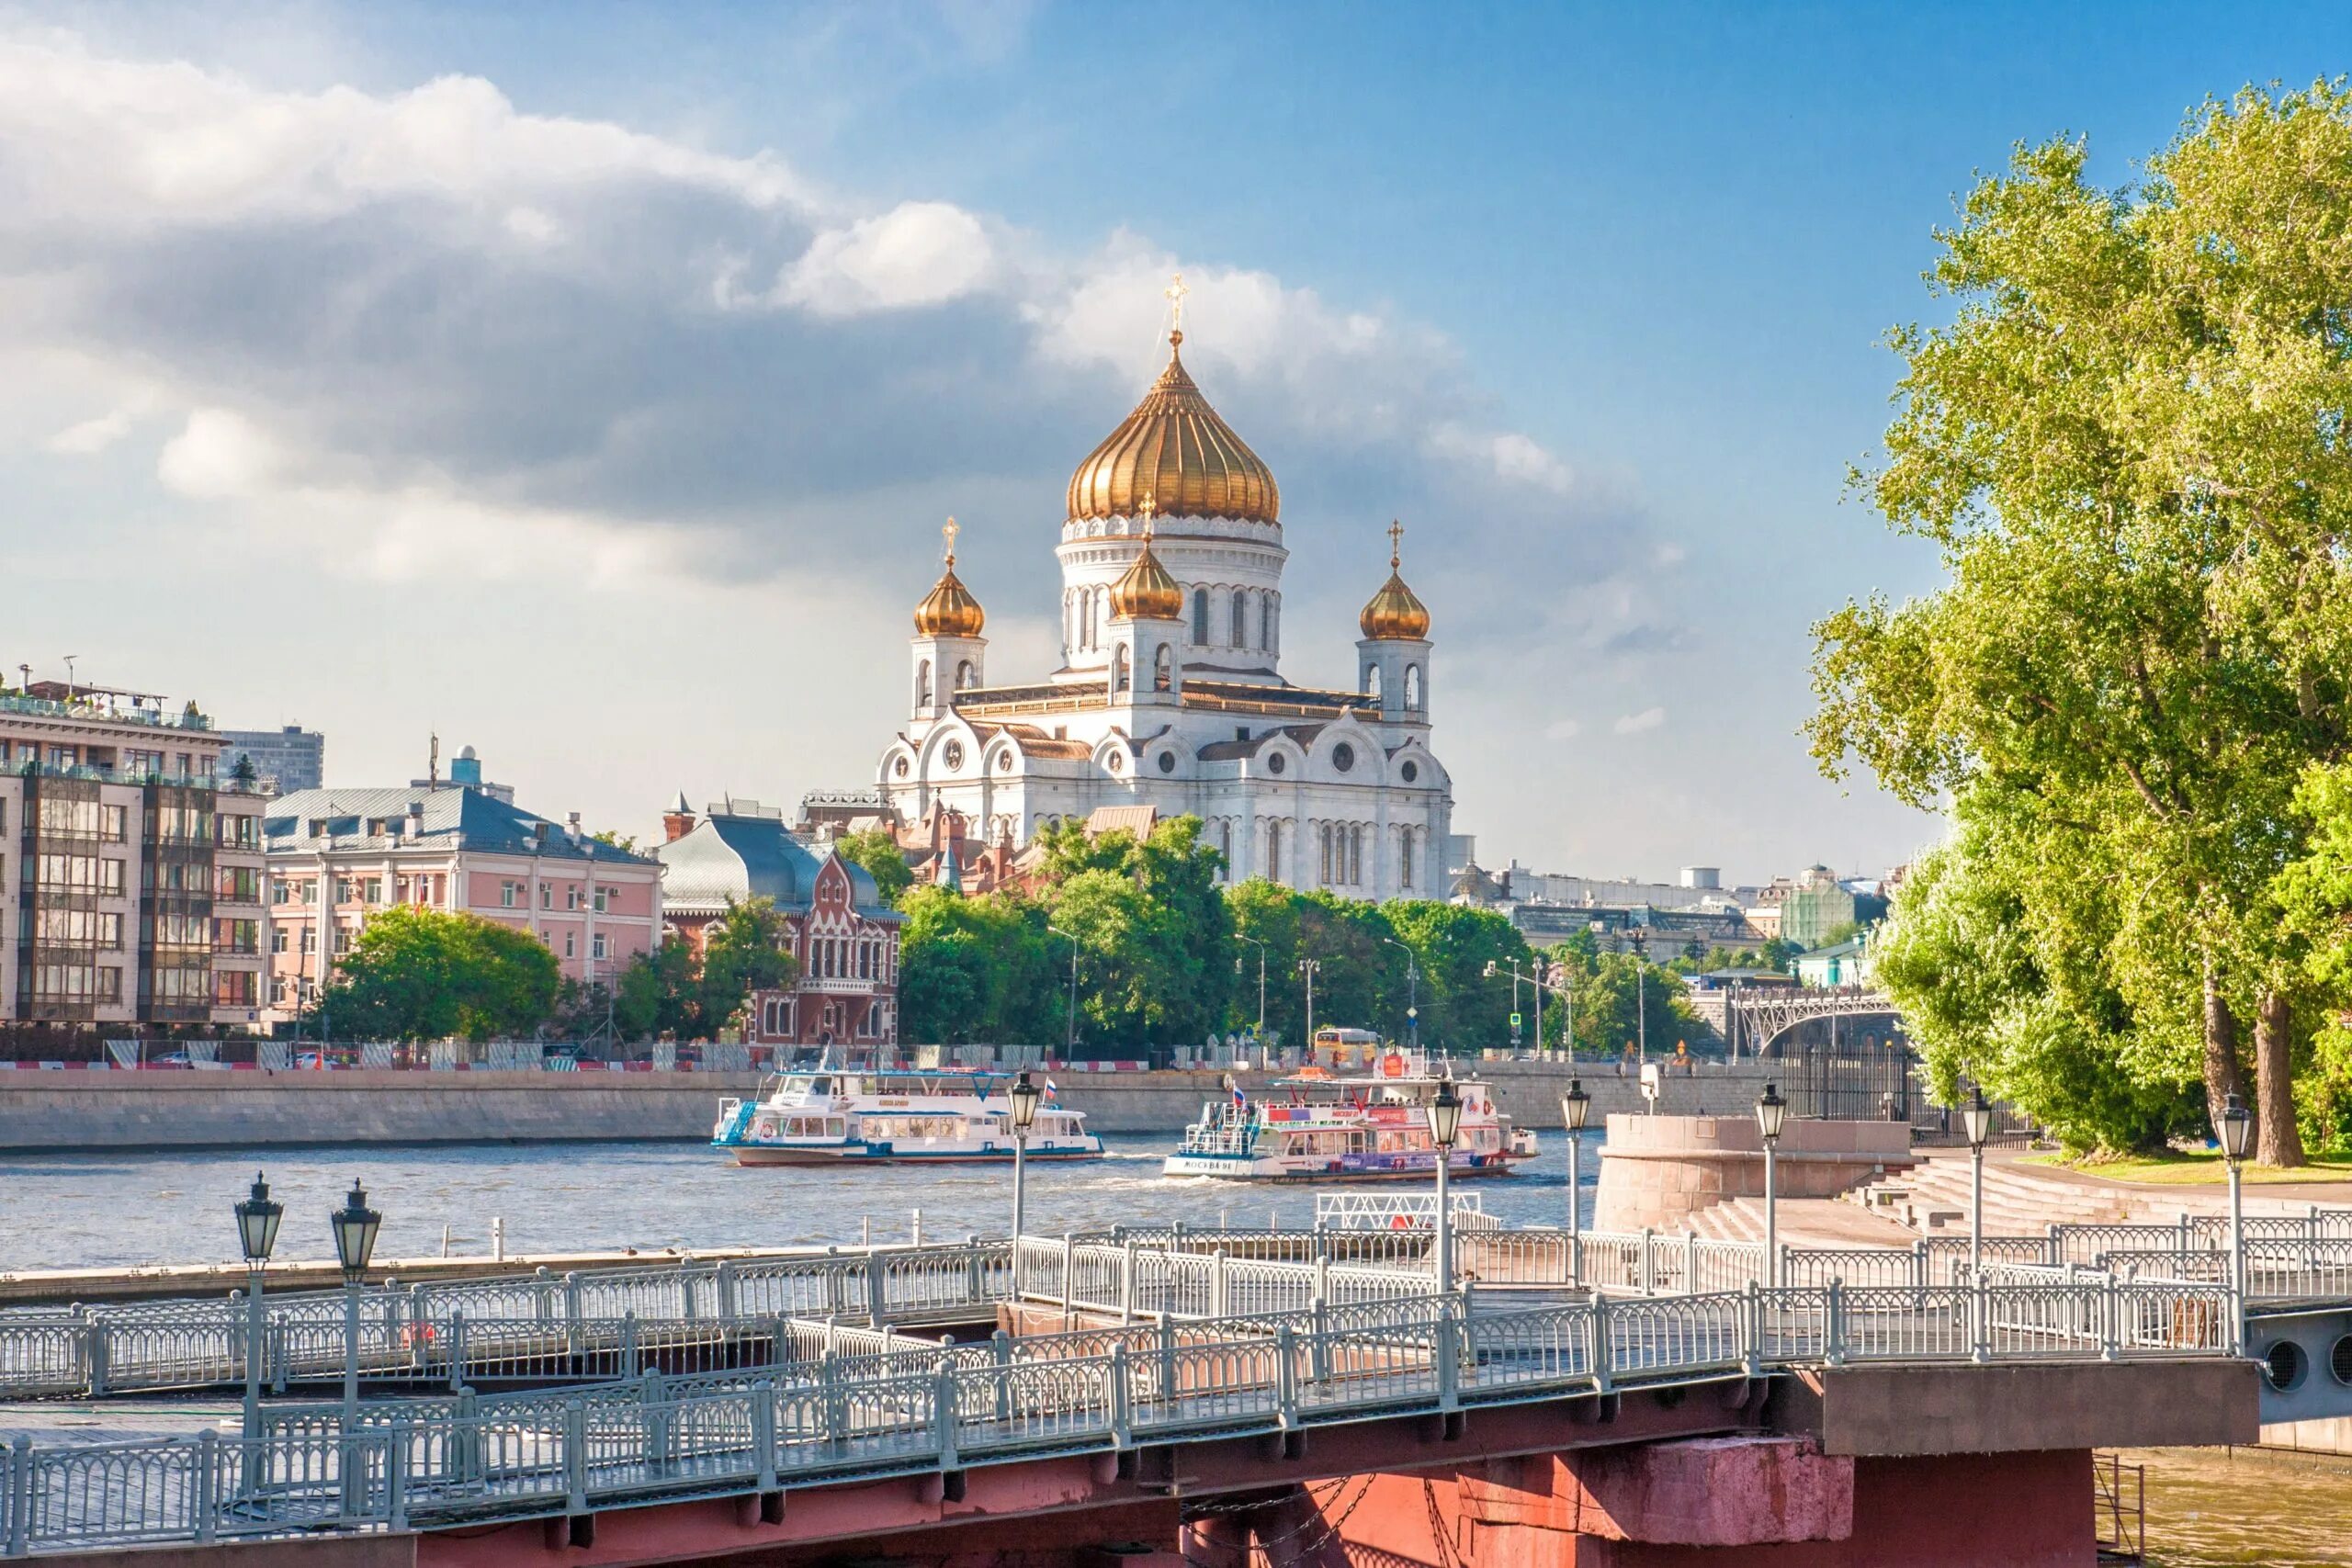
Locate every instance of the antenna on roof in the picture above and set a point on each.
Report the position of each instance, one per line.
(432, 766)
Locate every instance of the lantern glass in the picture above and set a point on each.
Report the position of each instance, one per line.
(1976, 1119)
(1445, 1116)
(2235, 1123)
(355, 1225)
(1771, 1110)
(1025, 1096)
(257, 1219)
(1576, 1105)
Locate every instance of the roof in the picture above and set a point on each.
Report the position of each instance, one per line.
(474, 819)
(1227, 751)
(729, 858)
(1137, 819)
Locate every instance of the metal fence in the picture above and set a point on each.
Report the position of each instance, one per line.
(902, 1410)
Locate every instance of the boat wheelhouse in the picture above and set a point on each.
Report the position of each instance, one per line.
(1319, 1126)
(864, 1116)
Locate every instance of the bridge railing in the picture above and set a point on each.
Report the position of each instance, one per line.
(914, 1408)
(2297, 1269)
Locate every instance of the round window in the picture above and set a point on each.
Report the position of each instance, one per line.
(1276, 764)
(2339, 1361)
(1168, 762)
(1411, 772)
(901, 767)
(2284, 1364)
(1343, 756)
(953, 754)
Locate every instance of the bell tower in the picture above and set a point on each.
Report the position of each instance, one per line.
(948, 652)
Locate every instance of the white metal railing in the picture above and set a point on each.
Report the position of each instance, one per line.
(1397, 1211)
(897, 1408)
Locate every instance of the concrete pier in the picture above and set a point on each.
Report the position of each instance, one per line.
(79, 1111)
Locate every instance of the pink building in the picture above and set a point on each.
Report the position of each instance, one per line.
(337, 855)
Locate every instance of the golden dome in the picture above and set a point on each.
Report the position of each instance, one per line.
(949, 609)
(1145, 591)
(1395, 613)
(1175, 448)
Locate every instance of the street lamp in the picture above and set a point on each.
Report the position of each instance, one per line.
(1308, 967)
(2235, 1124)
(257, 1219)
(1641, 940)
(1070, 1035)
(1976, 1119)
(1770, 1112)
(1575, 1106)
(355, 1226)
(1025, 1096)
(1412, 991)
(1260, 1037)
(1445, 1126)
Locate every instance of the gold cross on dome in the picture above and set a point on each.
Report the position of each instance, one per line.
(1175, 292)
(949, 532)
(1149, 509)
(1396, 544)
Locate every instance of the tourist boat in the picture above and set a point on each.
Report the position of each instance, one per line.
(861, 1116)
(1317, 1125)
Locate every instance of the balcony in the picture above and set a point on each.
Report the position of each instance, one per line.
(99, 713)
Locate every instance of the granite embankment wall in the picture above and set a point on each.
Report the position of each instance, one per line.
(78, 1110)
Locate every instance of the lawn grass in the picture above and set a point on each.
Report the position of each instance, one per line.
(2195, 1167)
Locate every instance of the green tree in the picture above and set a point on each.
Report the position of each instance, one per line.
(977, 970)
(2128, 446)
(656, 993)
(1464, 1009)
(878, 853)
(742, 952)
(615, 839)
(418, 974)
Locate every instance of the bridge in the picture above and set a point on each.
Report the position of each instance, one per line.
(1764, 1015)
(1149, 1383)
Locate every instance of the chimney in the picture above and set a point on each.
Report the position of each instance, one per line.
(573, 823)
(678, 822)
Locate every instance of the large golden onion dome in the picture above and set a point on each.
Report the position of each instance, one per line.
(1145, 591)
(1396, 613)
(1175, 448)
(949, 609)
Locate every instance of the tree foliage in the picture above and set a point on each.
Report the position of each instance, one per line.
(417, 974)
(879, 853)
(2128, 447)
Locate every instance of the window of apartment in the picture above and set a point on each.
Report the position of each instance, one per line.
(603, 893)
(374, 891)
(342, 939)
(109, 984)
(233, 987)
(110, 877)
(507, 893)
(238, 937)
(309, 939)
(547, 894)
(596, 948)
(277, 991)
(343, 890)
(570, 945)
(277, 939)
(571, 896)
(113, 824)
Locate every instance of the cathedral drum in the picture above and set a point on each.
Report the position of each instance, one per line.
(1317, 1126)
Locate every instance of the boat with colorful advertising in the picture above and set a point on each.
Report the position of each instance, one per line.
(913, 1116)
(1321, 1125)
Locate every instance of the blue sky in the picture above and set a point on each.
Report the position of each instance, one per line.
(564, 410)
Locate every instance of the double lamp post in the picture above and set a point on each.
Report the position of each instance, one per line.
(353, 1226)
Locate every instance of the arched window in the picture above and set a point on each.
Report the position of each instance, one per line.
(1119, 668)
(1371, 681)
(1225, 848)
(1240, 618)
(1266, 622)
(1163, 670)
(964, 675)
(1094, 620)
(1355, 855)
(1274, 850)
(1324, 838)
(1412, 688)
(1200, 618)
(923, 683)
(1404, 857)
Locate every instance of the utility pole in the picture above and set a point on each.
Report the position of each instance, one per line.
(1412, 991)
(1307, 967)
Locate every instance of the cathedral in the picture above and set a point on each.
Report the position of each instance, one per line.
(1170, 694)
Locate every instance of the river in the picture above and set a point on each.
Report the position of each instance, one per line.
(130, 1208)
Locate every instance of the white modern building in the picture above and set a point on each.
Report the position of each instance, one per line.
(1170, 692)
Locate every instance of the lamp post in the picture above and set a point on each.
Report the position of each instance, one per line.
(257, 1219)
(1025, 1096)
(1770, 1112)
(1307, 967)
(1069, 1034)
(2235, 1124)
(1641, 940)
(355, 1225)
(1575, 1106)
(1976, 1117)
(1412, 991)
(1261, 946)
(1445, 1126)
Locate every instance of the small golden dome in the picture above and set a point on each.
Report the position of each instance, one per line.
(1395, 613)
(949, 609)
(1145, 591)
(1175, 448)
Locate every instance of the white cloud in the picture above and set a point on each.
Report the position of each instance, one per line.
(1635, 723)
(1562, 729)
(91, 435)
(918, 253)
(219, 454)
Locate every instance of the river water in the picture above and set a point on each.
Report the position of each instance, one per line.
(121, 1208)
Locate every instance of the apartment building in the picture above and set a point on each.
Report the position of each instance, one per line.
(337, 856)
(131, 871)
